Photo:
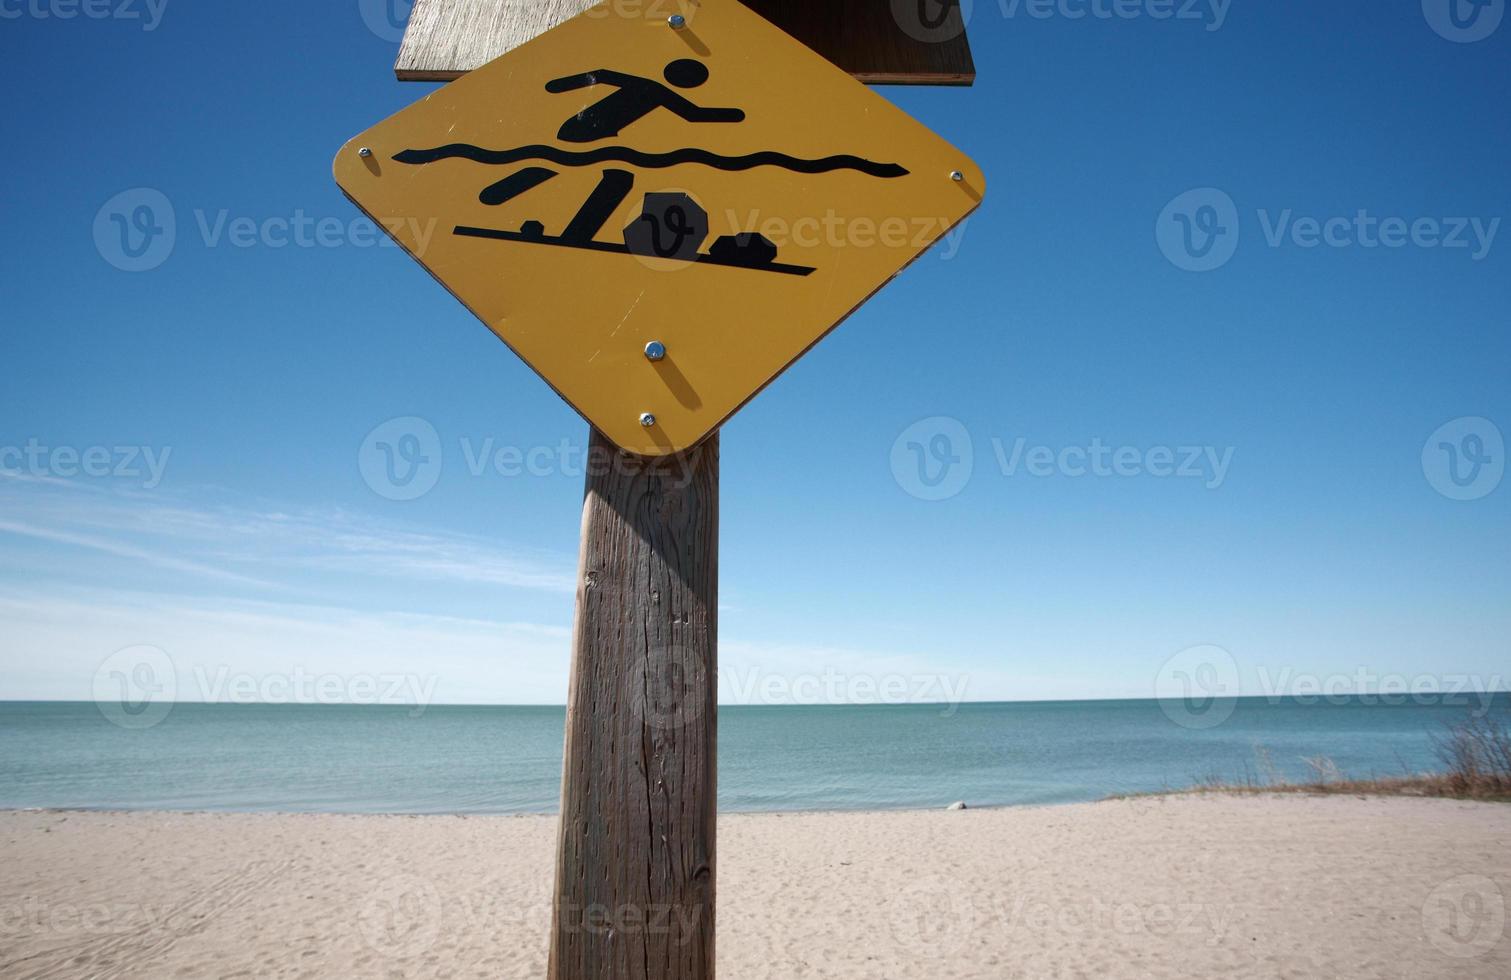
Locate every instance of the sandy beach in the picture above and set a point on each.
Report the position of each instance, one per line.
(1195, 886)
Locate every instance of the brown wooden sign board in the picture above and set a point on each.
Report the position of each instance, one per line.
(906, 42)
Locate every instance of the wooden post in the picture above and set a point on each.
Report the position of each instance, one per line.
(635, 857)
(877, 42)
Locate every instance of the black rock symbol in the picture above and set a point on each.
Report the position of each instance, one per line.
(671, 225)
(748, 249)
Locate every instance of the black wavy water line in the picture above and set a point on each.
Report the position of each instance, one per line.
(650, 161)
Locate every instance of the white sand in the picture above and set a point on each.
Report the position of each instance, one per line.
(1180, 887)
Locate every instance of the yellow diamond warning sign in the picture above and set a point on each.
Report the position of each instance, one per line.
(659, 217)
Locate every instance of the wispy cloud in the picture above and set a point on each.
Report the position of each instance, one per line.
(251, 545)
(122, 550)
(257, 589)
(53, 645)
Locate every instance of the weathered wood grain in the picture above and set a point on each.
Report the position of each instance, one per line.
(635, 855)
(919, 42)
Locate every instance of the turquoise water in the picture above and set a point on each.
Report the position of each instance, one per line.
(508, 759)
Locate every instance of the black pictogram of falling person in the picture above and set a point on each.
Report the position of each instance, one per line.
(636, 97)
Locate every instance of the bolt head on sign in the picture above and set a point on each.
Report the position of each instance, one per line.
(716, 188)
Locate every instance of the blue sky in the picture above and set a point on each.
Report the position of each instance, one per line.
(234, 528)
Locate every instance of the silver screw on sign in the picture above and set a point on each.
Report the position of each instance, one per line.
(655, 350)
(677, 21)
(647, 419)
